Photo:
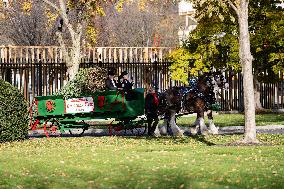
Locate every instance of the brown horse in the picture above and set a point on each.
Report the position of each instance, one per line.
(170, 103)
(198, 98)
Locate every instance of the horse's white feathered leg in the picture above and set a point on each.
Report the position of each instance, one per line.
(202, 127)
(161, 129)
(195, 123)
(157, 131)
(175, 129)
(194, 127)
(212, 128)
(194, 130)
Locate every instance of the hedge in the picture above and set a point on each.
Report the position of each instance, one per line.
(13, 113)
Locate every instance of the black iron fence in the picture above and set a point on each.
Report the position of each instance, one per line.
(41, 78)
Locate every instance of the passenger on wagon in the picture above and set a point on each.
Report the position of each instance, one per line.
(126, 84)
(151, 110)
(117, 82)
(110, 82)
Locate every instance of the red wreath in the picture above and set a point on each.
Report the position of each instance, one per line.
(50, 105)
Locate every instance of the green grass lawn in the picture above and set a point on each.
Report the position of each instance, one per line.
(118, 162)
(222, 120)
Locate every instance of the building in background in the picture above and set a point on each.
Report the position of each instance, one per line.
(187, 11)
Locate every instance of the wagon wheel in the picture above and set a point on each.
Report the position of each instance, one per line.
(51, 126)
(117, 129)
(32, 121)
(127, 125)
(78, 131)
(140, 129)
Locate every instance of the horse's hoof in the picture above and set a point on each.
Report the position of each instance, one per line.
(205, 133)
(193, 130)
(179, 133)
(214, 131)
(157, 134)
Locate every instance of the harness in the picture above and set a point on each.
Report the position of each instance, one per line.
(196, 93)
(209, 98)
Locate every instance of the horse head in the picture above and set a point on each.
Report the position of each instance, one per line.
(170, 100)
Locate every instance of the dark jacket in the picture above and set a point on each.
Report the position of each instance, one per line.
(151, 106)
(126, 85)
(118, 83)
(109, 84)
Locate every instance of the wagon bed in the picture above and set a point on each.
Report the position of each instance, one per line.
(54, 113)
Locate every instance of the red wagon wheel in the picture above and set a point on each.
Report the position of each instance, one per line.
(32, 112)
(140, 129)
(51, 126)
(116, 129)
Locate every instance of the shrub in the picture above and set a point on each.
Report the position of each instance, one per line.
(87, 80)
(13, 113)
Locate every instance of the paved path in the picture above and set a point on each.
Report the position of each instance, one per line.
(271, 129)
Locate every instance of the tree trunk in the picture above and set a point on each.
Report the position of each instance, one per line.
(258, 105)
(246, 62)
(71, 71)
(74, 57)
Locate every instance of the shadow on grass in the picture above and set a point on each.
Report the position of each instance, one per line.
(202, 139)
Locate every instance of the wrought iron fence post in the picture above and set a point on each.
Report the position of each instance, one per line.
(156, 76)
(241, 96)
(8, 71)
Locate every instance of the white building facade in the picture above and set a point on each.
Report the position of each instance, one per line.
(187, 11)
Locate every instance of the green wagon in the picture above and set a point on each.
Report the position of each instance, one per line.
(54, 114)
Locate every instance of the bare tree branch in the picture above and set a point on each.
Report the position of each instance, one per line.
(233, 6)
(52, 5)
(236, 9)
(27, 29)
(63, 13)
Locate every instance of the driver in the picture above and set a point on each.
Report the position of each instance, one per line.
(110, 82)
(126, 83)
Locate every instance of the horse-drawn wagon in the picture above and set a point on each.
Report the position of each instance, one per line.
(54, 114)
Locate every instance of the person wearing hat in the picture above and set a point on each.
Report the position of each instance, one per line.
(126, 84)
(110, 82)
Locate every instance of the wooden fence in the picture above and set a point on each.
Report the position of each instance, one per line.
(112, 54)
(46, 78)
(41, 71)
